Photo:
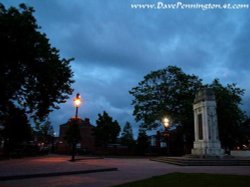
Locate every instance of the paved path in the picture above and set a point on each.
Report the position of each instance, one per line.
(128, 170)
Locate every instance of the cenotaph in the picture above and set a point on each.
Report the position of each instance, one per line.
(206, 133)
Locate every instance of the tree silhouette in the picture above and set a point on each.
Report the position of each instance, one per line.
(33, 76)
(166, 92)
(230, 115)
(127, 135)
(106, 130)
(17, 131)
(170, 92)
(45, 132)
(142, 142)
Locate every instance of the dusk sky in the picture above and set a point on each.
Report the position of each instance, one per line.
(115, 46)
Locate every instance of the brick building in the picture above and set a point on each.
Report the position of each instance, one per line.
(87, 142)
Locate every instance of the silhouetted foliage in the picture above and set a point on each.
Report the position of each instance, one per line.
(166, 92)
(230, 115)
(245, 131)
(127, 138)
(170, 92)
(33, 76)
(44, 132)
(142, 143)
(17, 131)
(106, 130)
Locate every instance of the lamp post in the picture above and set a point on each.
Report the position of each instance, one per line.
(166, 123)
(77, 102)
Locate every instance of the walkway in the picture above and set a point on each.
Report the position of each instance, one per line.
(128, 170)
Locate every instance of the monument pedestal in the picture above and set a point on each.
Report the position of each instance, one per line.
(205, 125)
(207, 149)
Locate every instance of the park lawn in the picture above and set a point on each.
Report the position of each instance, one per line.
(192, 180)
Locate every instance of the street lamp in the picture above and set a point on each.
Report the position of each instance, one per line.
(166, 124)
(74, 126)
(77, 102)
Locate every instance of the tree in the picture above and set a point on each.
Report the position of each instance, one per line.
(171, 92)
(127, 135)
(142, 143)
(166, 92)
(106, 130)
(230, 115)
(33, 76)
(17, 131)
(245, 131)
(45, 132)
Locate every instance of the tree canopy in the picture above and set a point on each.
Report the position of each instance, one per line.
(230, 115)
(17, 131)
(107, 130)
(166, 92)
(33, 76)
(44, 132)
(142, 143)
(170, 93)
(127, 135)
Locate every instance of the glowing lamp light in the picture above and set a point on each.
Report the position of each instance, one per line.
(165, 122)
(77, 100)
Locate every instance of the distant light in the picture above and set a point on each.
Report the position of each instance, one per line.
(165, 122)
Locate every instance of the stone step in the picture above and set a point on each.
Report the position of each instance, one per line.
(184, 161)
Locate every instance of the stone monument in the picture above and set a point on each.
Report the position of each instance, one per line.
(206, 141)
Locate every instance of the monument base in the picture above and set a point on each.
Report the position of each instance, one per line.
(240, 153)
(203, 148)
(204, 161)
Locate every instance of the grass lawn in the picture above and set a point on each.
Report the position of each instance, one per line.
(192, 180)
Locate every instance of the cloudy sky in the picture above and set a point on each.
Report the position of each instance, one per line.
(115, 45)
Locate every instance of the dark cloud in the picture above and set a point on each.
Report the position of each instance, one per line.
(115, 46)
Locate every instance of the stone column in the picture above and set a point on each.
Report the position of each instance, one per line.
(206, 141)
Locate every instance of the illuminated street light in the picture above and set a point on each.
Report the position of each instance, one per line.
(166, 134)
(165, 122)
(74, 126)
(77, 102)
